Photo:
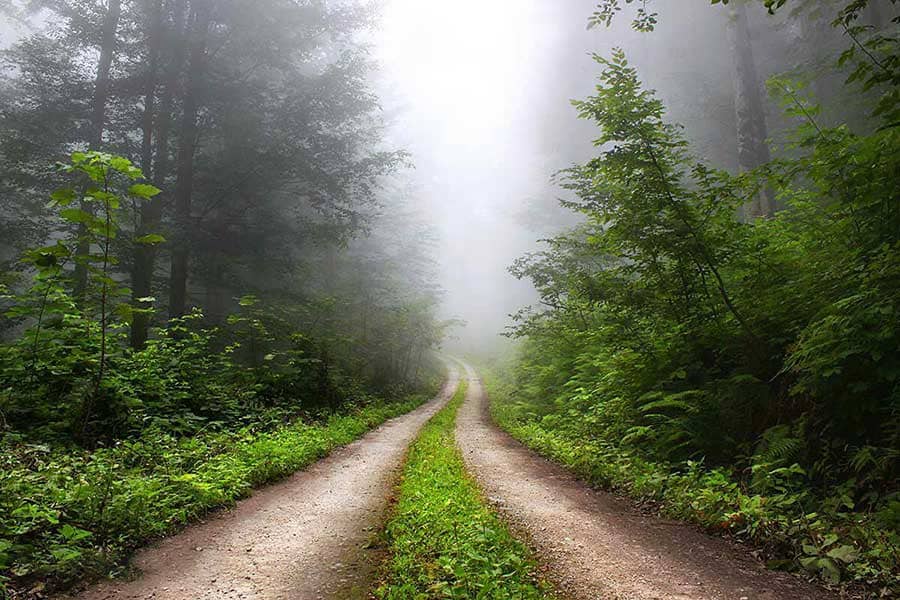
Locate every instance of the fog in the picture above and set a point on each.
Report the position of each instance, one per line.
(465, 95)
(479, 93)
(476, 94)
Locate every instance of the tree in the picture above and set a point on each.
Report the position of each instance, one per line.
(752, 135)
(201, 17)
(108, 44)
(150, 213)
(266, 141)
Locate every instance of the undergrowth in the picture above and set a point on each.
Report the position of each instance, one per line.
(68, 515)
(444, 541)
(823, 537)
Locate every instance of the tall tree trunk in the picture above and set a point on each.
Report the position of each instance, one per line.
(748, 106)
(151, 210)
(187, 141)
(98, 119)
(162, 163)
(811, 45)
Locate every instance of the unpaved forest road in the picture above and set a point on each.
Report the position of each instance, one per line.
(299, 539)
(598, 547)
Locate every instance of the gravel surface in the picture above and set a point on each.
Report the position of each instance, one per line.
(303, 538)
(597, 546)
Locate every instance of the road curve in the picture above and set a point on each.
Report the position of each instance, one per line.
(596, 546)
(303, 538)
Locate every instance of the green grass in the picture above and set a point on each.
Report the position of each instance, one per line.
(444, 541)
(67, 516)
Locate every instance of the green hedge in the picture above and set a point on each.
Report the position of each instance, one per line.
(67, 514)
(444, 541)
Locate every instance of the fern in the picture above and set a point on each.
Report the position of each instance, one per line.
(677, 402)
(779, 445)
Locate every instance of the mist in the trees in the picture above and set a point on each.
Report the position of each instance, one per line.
(238, 234)
(477, 95)
(482, 103)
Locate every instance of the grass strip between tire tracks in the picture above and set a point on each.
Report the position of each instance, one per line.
(444, 540)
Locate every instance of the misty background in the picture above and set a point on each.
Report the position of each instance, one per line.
(479, 94)
(225, 222)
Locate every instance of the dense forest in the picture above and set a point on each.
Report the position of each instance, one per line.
(727, 343)
(204, 237)
(225, 250)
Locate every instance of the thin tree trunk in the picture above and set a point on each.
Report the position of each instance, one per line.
(748, 106)
(167, 101)
(98, 119)
(200, 18)
(150, 210)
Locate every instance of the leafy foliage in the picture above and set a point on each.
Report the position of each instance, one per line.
(65, 515)
(249, 136)
(721, 364)
(105, 447)
(776, 510)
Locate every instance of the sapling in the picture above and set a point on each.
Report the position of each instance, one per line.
(106, 174)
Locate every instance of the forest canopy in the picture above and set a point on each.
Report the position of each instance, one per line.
(206, 243)
(218, 171)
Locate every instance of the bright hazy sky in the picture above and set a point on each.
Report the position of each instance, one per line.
(461, 82)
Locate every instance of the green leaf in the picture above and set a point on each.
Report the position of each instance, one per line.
(104, 197)
(125, 311)
(73, 534)
(844, 553)
(144, 190)
(64, 197)
(65, 553)
(120, 163)
(46, 260)
(150, 239)
(76, 215)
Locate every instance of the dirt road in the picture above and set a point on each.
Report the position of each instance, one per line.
(303, 538)
(598, 547)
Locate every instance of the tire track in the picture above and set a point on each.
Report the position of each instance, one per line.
(596, 546)
(303, 538)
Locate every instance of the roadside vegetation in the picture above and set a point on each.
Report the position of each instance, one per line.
(795, 529)
(105, 446)
(444, 540)
(201, 284)
(66, 515)
(727, 345)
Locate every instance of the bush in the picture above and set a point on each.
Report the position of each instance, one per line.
(742, 370)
